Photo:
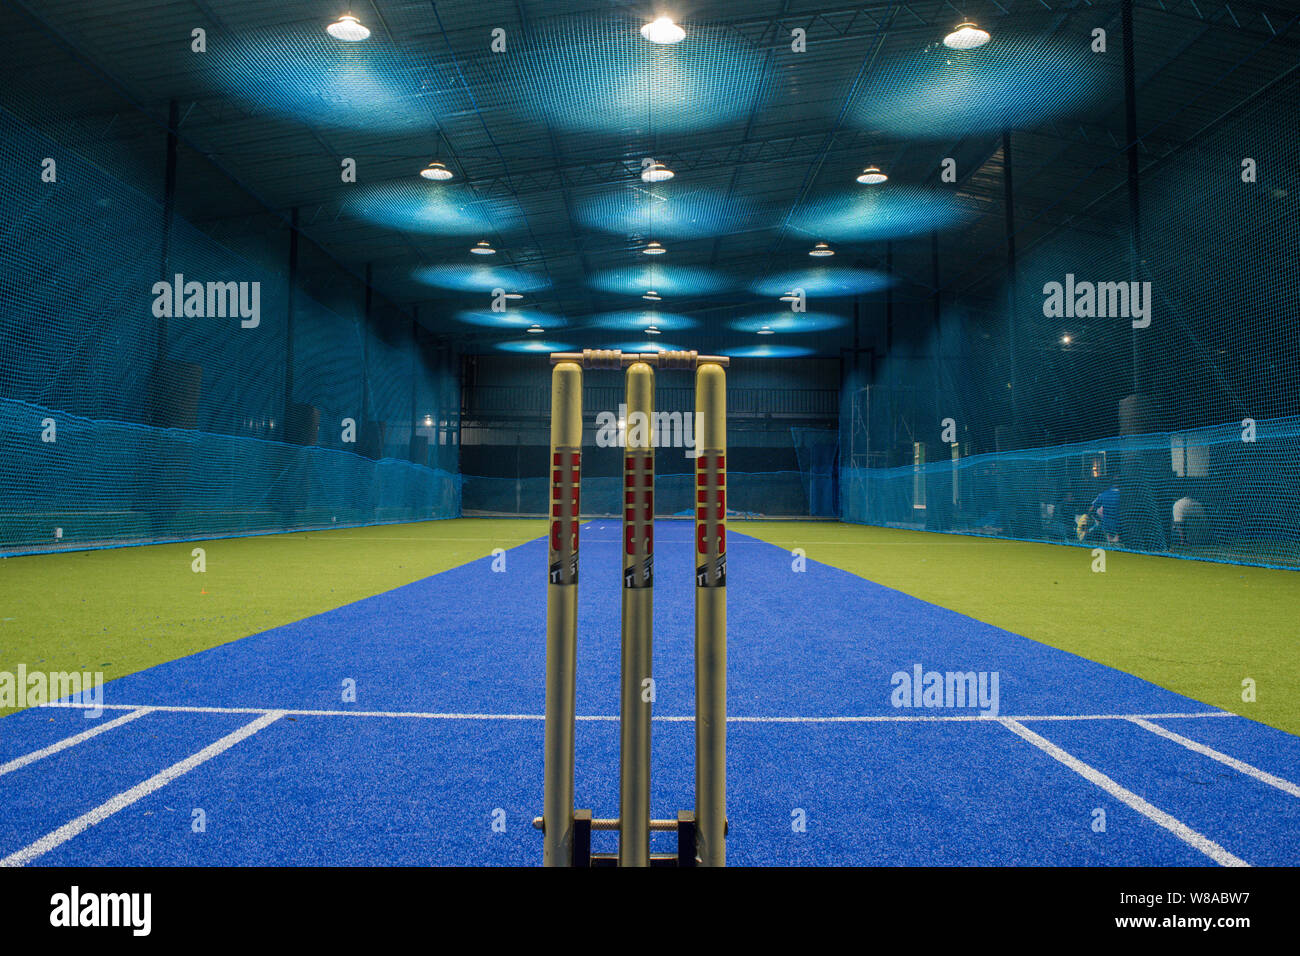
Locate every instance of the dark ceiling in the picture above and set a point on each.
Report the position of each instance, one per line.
(546, 140)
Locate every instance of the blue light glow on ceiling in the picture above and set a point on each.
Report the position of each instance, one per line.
(665, 211)
(601, 75)
(510, 319)
(532, 345)
(666, 280)
(645, 347)
(769, 351)
(432, 208)
(336, 84)
(787, 321)
(640, 318)
(1010, 81)
(879, 212)
(825, 281)
(467, 278)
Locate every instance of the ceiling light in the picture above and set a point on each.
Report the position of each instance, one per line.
(663, 31)
(821, 249)
(652, 295)
(534, 329)
(656, 173)
(967, 36)
(651, 330)
(653, 248)
(871, 175)
(765, 330)
(483, 249)
(436, 171)
(347, 27)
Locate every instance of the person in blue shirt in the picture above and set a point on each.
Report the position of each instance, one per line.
(1105, 509)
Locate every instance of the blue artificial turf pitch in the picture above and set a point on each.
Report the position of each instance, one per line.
(370, 783)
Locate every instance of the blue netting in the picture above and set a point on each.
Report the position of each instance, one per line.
(125, 421)
(771, 494)
(1171, 335)
(818, 451)
(105, 483)
(1209, 493)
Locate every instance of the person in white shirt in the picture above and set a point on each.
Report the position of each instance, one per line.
(1190, 526)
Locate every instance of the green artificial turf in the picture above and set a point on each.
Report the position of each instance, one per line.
(1193, 627)
(122, 610)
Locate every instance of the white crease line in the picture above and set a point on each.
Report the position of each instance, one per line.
(1175, 826)
(947, 718)
(666, 718)
(1239, 765)
(1189, 713)
(123, 800)
(67, 742)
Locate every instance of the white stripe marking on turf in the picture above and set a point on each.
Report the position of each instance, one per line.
(667, 718)
(67, 742)
(1239, 765)
(124, 799)
(1153, 813)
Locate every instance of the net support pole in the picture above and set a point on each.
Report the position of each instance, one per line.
(638, 616)
(711, 614)
(562, 615)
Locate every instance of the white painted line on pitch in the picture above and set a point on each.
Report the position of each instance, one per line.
(950, 718)
(1187, 713)
(674, 718)
(1153, 813)
(123, 800)
(1239, 765)
(67, 742)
